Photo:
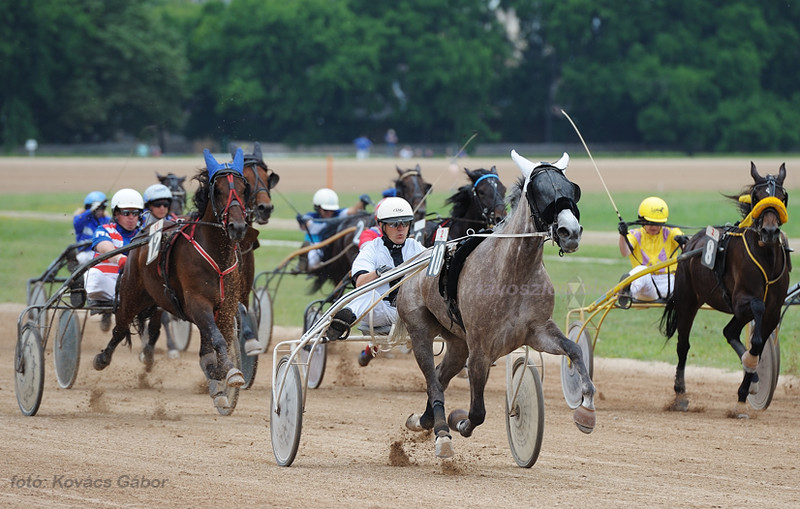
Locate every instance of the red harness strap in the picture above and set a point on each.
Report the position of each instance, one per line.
(204, 254)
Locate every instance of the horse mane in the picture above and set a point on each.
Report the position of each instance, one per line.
(461, 199)
(512, 199)
(200, 197)
(743, 207)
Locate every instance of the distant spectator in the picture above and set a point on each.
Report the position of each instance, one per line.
(363, 145)
(391, 142)
(406, 152)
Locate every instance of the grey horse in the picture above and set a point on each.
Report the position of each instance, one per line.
(494, 326)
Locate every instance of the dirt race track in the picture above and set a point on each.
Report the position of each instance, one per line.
(126, 438)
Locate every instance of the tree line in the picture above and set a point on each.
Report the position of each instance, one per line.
(681, 75)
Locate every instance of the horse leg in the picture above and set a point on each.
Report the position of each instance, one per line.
(214, 352)
(478, 366)
(685, 321)
(153, 332)
(549, 339)
(124, 316)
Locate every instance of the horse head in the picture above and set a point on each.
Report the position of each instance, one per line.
(767, 204)
(488, 195)
(261, 180)
(227, 192)
(553, 200)
(175, 185)
(412, 187)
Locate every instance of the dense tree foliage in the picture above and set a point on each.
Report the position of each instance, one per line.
(691, 75)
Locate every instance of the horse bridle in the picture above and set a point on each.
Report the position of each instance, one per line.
(178, 193)
(771, 184)
(417, 194)
(261, 186)
(233, 200)
(487, 212)
(545, 218)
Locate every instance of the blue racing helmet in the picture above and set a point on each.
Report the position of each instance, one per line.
(93, 197)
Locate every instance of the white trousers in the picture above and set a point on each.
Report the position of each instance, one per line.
(382, 314)
(644, 288)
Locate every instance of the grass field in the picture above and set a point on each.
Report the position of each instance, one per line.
(28, 245)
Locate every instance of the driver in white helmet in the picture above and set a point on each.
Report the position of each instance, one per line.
(157, 200)
(326, 206)
(375, 258)
(101, 280)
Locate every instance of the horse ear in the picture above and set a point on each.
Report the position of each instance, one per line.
(180, 181)
(472, 175)
(211, 163)
(399, 171)
(525, 166)
(419, 170)
(159, 177)
(257, 151)
(493, 170)
(232, 149)
(562, 163)
(782, 173)
(754, 173)
(238, 161)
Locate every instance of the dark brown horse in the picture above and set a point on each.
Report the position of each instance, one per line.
(195, 277)
(749, 280)
(490, 328)
(475, 206)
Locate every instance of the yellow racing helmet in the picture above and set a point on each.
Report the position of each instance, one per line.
(654, 210)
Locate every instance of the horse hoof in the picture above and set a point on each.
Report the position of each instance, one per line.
(147, 360)
(754, 387)
(456, 416)
(100, 363)
(234, 378)
(253, 347)
(584, 419)
(444, 445)
(681, 404)
(740, 411)
(221, 402)
(413, 424)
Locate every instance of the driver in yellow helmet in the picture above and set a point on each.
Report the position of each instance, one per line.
(652, 243)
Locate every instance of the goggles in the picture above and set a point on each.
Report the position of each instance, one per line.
(160, 203)
(128, 213)
(398, 224)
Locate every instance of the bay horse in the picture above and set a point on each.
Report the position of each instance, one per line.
(475, 206)
(339, 255)
(175, 185)
(749, 280)
(490, 328)
(195, 277)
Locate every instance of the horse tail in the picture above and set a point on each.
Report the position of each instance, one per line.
(669, 320)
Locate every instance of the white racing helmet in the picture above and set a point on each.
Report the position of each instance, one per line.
(156, 192)
(127, 199)
(394, 209)
(326, 199)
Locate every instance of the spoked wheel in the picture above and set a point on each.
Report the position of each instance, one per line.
(570, 380)
(67, 348)
(249, 362)
(29, 369)
(180, 331)
(319, 359)
(525, 413)
(231, 393)
(37, 296)
(769, 367)
(262, 306)
(286, 421)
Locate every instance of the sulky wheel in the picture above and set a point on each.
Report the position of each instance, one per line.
(319, 358)
(525, 413)
(249, 364)
(286, 418)
(67, 348)
(262, 305)
(37, 296)
(29, 369)
(570, 380)
(769, 367)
